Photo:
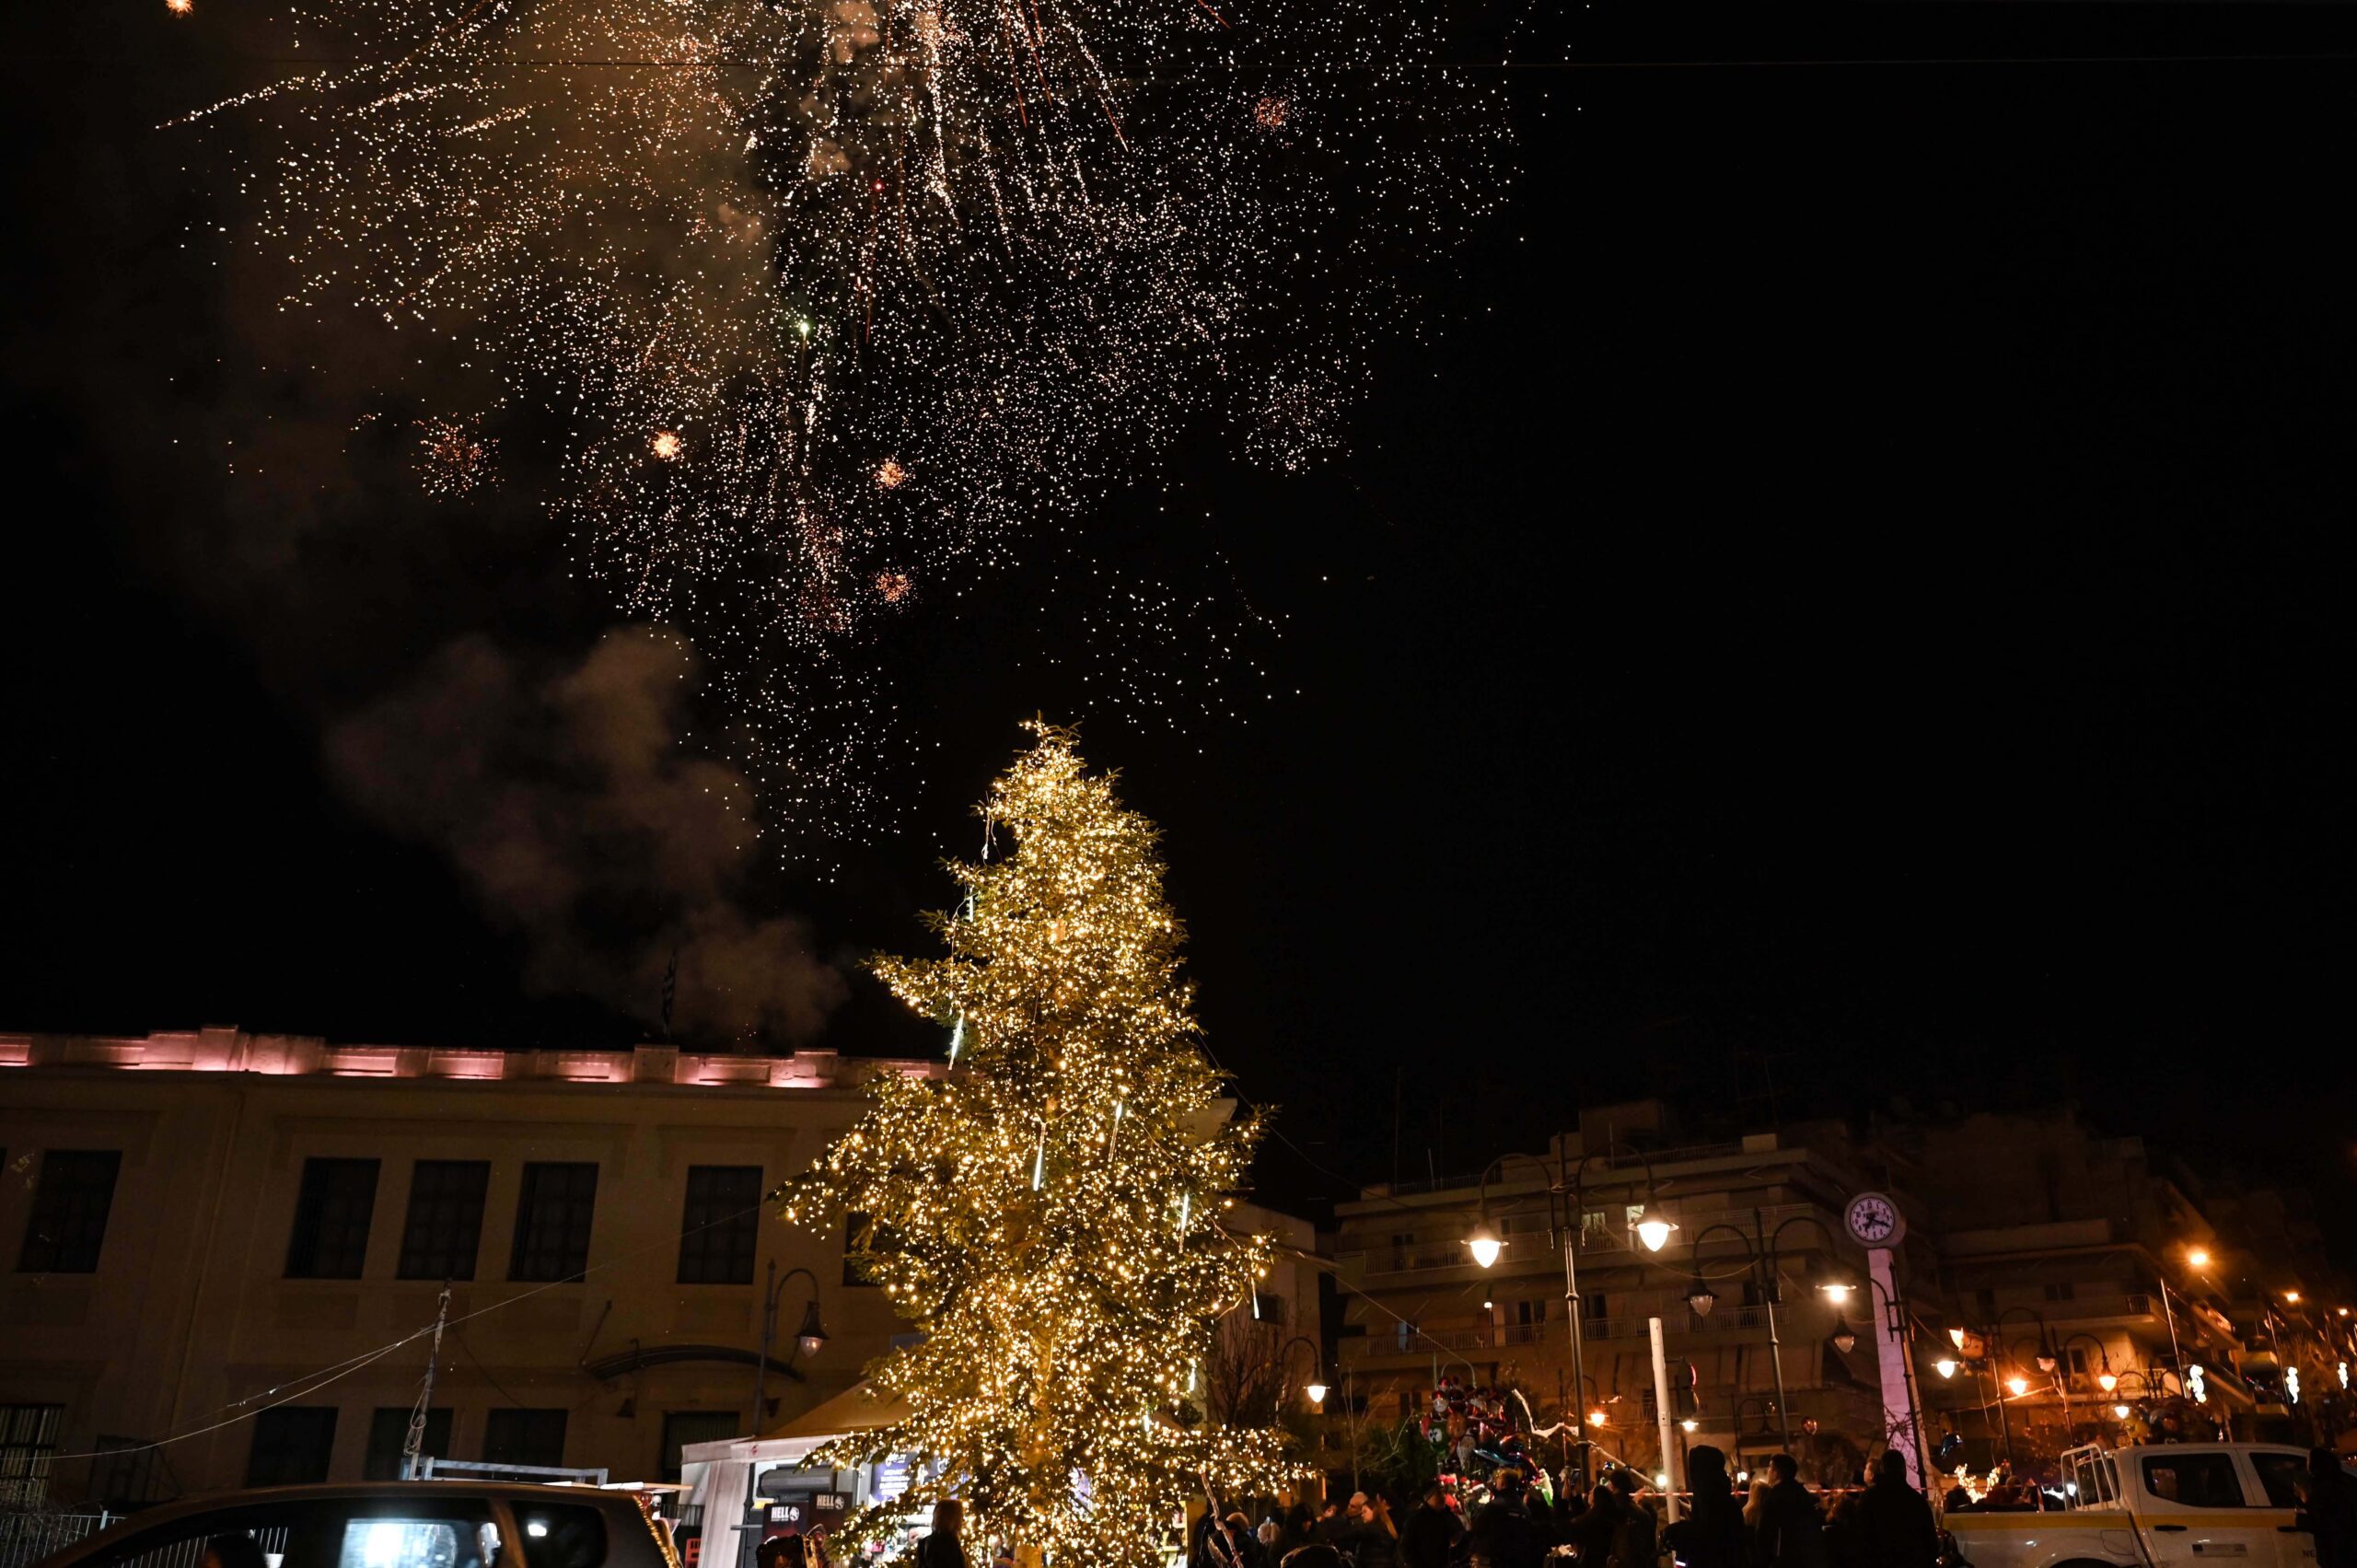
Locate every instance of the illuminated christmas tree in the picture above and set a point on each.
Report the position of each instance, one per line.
(1052, 1216)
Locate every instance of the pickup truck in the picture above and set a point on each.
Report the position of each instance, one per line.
(2165, 1506)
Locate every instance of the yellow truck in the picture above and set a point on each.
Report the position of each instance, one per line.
(2163, 1505)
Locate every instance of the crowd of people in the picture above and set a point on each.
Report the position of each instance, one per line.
(1514, 1525)
(1503, 1520)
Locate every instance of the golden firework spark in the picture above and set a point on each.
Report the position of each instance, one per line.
(816, 230)
(180, 7)
(454, 456)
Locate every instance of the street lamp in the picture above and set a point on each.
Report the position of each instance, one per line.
(1900, 1325)
(1567, 1216)
(1764, 1258)
(1316, 1387)
(1946, 1366)
(2198, 1257)
(2044, 1356)
(809, 1340)
(2105, 1379)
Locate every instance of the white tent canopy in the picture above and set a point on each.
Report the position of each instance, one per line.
(719, 1475)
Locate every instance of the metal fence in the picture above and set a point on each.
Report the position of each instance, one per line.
(26, 1539)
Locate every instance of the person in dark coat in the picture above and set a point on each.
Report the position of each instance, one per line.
(944, 1547)
(1635, 1537)
(1894, 1521)
(1711, 1536)
(1594, 1530)
(1429, 1538)
(1299, 1529)
(1501, 1536)
(1372, 1540)
(1845, 1542)
(1791, 1535)
(2329, 1511)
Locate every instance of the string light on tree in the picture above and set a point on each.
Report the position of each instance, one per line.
(1065, 1298)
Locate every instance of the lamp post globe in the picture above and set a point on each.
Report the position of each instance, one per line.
(813, 1337)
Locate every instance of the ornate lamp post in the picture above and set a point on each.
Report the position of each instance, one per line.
(1764, 1261)
(809, 1338)
(1316, 1387)
(2106, 1379)
(1899, 1324)
(1566, 1217)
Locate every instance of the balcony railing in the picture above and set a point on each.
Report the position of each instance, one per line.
(1522, 1171)
(1680, 1324)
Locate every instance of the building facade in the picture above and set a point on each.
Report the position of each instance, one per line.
(2092, 1293)
(1758, 1220)
(235, 1241)
(2055, 1287)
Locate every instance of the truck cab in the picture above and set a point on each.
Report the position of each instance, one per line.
(2166, 1506)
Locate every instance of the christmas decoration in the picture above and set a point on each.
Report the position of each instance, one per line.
(1052, 1215)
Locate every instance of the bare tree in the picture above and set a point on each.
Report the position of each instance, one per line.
(1244, 1375)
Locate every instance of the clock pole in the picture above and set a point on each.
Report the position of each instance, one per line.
(1874, 1222)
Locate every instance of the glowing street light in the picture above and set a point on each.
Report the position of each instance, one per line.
(2119, 1413)
(2198, 1256)
(1316, 1392)
(1655, 1232)
(1946, 1366)
(2018, 1385)
(1485, 1244)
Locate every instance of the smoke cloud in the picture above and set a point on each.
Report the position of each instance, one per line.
(582, 823)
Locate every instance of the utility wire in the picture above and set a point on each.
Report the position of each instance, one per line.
(340, 1370)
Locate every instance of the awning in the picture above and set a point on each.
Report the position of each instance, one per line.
(860, 1408)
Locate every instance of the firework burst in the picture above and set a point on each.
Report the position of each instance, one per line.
(838, 295)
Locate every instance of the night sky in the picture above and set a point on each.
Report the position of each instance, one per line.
(1841, 604)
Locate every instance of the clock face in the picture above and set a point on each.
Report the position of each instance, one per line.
(1875, 1221)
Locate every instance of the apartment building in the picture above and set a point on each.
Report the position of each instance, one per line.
(1757, 1219)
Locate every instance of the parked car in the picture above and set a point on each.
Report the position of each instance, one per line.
(394, 1523)
(2172, 1505)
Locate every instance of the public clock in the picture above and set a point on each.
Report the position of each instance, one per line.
(1875, 1221)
